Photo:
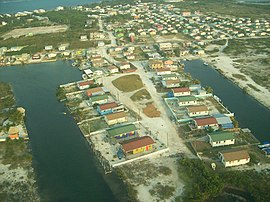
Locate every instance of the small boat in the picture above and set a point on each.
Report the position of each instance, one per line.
(206, 64)
(84, 76)
(264, 145)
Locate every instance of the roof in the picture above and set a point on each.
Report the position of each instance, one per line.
(235, 155)
(116, 115)
(186, 98)
(94, 90)
(222, 119)
(137, 143)
(178, 90)
(169, 75)
(99, 97)
(108, 106)
(121, 129)
(85, 83)
(164, 70)
(13, 130)
(221, 136)
(205, 121)
(197, 108)
(170, 82)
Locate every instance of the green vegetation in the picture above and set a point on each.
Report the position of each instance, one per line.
(128, 83)
(142, 94)
(162, 191)
(6, 96)
(15, 152)
(240, 76)
(202, 183)
(60, 93)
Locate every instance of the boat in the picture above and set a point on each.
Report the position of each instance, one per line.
(206, 64)
(264, 145)
(84, 76)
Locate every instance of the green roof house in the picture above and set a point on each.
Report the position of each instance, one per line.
(123, 131)
(221, 138)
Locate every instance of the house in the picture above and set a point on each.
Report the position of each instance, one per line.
(187, 100)
(123, 131)
(166, 77)
(63, 47)
(234, 158)
(156, 64)
(113, 69)
(82, 85)
(180, 92)
(83, 38)
(203, 123)
(48, 48)
(13, 132)
(99, 99)
(118, 117)
(200, 110)
(171, 83)
(224, 121)
(163, 71)
(124, 65)
(109, 108)
(138, 145)
(96, 91)
(221, 138)
(165, 46)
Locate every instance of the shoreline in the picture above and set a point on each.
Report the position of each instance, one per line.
(224, 65)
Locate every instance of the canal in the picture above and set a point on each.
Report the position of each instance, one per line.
(65, 165)
(248, 111)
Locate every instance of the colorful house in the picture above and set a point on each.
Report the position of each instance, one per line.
(82, 85)
(99, 99)
(156, 64)
(109, 108)
(123, 131)
(222, 138)
(187, 100)
(163, 71)
(234, 158)
(208, 122)
(138, 145)
(96, 91)
(200, 110)
(224, 121)
(118, 117)
(181, 92)
(13, 132)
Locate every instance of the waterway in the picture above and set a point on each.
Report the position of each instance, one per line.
(65, 165)
(248, 111)
(14, 6)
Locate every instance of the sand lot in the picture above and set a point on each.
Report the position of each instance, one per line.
(34, 31)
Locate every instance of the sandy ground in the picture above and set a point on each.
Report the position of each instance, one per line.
(161, 127)
(225, 63)
(35, 30)
(16, 181)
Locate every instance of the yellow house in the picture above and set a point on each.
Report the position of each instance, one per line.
(138, 145)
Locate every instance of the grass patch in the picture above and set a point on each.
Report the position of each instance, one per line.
(253, 87)
(128, 83)
(141, 95)
(162, 191)
(151, 111)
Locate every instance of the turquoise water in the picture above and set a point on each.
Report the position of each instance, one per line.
(13, 6)
(65, 165)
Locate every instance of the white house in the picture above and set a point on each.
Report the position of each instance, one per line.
(124, 65)
(234, 158)
(207, 122)
(222, 138)
(181, 92)
(113, 69)
(114, 118)
(187, 100)
(163, 71)
(200, 110)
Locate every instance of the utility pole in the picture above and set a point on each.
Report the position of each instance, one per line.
(167, 140)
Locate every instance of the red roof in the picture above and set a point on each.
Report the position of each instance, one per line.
(135, 143)
(178, 90)
(206, 121)
(85, 83)
(163, 70)
(108, 106)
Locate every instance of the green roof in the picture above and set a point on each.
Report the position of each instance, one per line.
(221, 136)
(98, 98)
(169, 75)
(121, 129)
(186, 98)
